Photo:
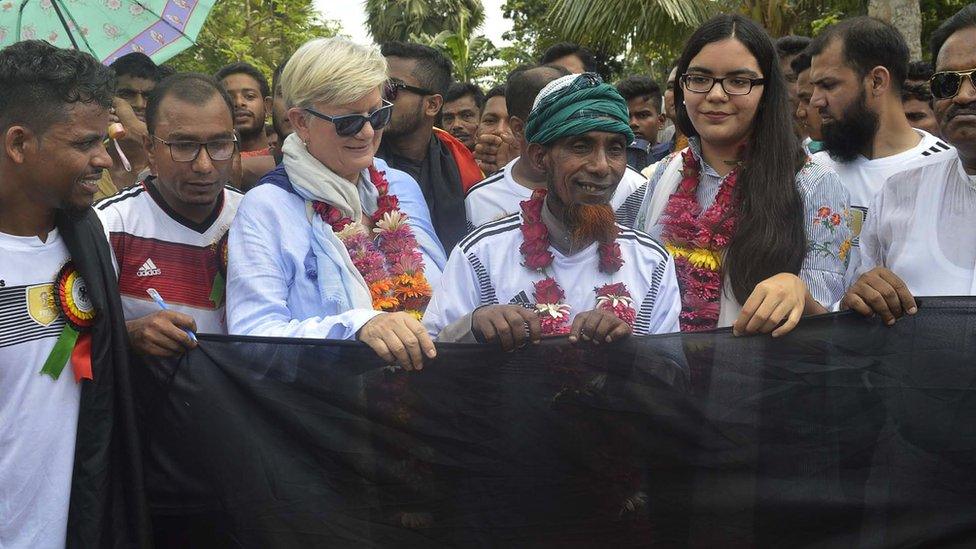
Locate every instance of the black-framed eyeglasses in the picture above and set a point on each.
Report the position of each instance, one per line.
(187, 151)
(351, 124)
(393, 86)
(946, 84)
(731, 85)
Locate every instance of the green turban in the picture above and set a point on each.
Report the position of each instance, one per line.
(574, 105)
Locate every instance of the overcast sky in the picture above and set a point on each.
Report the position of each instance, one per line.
(350, 14)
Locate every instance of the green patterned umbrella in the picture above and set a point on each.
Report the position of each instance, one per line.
(108, 29)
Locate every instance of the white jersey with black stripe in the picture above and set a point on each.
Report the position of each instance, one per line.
(499, 195)
(865, 177)
(485, 268)
(38, 414)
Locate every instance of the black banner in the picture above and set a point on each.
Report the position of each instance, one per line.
(844, 433)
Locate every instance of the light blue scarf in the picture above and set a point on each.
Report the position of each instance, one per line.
(339, 282)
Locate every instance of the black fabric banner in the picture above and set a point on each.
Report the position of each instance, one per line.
(843, 433)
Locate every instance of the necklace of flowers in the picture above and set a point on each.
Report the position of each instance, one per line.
(549, 295)
(697, 243)
(389, 257)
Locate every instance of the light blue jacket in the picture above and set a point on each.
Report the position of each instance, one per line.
(271, 276)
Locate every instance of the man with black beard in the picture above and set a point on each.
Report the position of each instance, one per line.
(442, 165)
(857, 70)
(918, 238)
(70, 473)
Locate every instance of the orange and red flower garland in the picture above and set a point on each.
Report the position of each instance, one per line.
(390, 262)
(548, 294)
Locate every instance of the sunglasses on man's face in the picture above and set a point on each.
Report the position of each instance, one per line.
(350, 124)
(946, 84)
(393, 87)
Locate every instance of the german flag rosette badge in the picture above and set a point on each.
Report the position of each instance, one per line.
(73, 303)
(217, 289)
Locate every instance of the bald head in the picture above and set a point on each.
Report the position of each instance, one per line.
(523, 86)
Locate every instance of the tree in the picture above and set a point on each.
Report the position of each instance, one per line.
(934, 12)
(617, 25)
(399, 20)
(624, 35)
(469, 54)
(261, 32)
(904, 15)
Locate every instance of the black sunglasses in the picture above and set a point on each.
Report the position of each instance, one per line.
(351, 124)
(946, 84)
(393, 86)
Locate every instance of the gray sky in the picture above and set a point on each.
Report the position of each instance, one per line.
(350, 14)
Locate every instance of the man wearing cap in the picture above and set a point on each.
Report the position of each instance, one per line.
(561, 265)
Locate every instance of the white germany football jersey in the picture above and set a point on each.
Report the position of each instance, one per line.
(485, 268)
(155, 247)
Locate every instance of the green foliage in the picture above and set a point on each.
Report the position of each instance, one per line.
(531, 33)
(390, 20)
(617, 25)
(261, 32)
(469, 54)
(934, 12)
(626, 36)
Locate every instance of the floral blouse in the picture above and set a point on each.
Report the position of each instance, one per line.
(826, 205)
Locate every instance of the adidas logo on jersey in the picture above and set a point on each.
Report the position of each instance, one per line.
(148, 269)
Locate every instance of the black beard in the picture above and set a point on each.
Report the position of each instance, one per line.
(250, 133)
(405, 126)
(846, 139)
(72, 212)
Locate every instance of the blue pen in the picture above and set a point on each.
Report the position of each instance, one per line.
(162, 305)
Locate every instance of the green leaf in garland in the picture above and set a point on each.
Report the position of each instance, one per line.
(217, 290)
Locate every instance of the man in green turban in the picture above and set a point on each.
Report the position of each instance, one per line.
(561, 266)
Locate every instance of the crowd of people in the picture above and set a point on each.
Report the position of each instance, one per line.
(767, 181)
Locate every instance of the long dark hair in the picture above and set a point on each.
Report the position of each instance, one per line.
(770, 237)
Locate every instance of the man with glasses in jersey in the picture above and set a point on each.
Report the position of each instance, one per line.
(918, 238)
(441, 164)
(168, 233)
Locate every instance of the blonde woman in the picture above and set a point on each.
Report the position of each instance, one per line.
(333, 243)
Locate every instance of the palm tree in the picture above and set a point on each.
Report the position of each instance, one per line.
(616, 25)
(390, 20)
(468, 53)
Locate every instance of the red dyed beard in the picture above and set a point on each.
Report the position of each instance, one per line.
(590, 222)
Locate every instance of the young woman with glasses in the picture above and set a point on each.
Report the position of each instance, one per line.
(759, 233)
(335, 244)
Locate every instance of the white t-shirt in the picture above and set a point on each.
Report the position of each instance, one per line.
(499, 195)
(155, 247)
(485, 268)
(924, 232)
(864, 178)
(38, 415)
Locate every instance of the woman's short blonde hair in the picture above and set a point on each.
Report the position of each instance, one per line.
(334, 71)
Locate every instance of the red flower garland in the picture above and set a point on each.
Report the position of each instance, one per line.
(693, 237)
(548, 294)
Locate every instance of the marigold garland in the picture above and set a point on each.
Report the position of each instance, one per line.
(697, 241)
(388, 258)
